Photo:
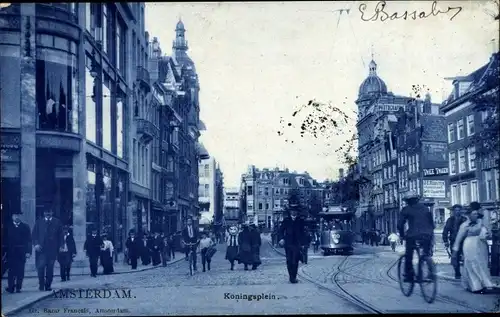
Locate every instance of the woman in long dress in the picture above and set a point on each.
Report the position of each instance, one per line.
(473, 233)
(245, 255)
(107, 255)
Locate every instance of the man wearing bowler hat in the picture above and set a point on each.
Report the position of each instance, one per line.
(17, 245)
(450, 232)
(48, 238)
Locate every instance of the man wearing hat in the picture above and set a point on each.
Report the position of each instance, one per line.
(420, 229)
(92, 248)
(47, 239)
(450, 232)
(292, 235)
(66, 254)
(17, 246)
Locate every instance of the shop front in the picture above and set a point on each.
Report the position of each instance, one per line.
(10, 199)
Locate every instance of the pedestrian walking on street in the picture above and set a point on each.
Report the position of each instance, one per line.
(16, 243)
(205, 244)
(134, 248)
(171, 246)
(107, 250)
(474, 234)
(145, 250)
(232, 246)
(255, 242)
(156, 244)
(190, 235)
(316, 241)
(450, 232)
(47, 239)
(92, 248)
(245, 254)
(66, 254)
(292, 237)
(393, 240)
(165, 251)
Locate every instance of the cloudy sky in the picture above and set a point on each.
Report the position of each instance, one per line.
(258, 62)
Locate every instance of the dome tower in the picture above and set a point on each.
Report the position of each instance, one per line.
(372, 85)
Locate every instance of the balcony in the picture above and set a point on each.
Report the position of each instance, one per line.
(143, 78)
(146, 130)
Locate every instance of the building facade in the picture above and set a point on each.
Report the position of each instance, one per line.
(266, 193)
(472, 178)
(207, 189)
(231, 212)
(70, 153)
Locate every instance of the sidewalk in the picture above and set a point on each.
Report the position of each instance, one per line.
(12, 303)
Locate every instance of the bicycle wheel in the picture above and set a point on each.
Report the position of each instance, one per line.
(406, 288)
(428, 279)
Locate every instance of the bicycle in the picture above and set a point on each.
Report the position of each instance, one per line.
(429, 278)
(191, 255)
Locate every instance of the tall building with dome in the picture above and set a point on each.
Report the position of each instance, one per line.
(377, 108)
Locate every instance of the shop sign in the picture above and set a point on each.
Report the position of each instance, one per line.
(435, 171)
(10, 155)
(434, 153)
(434, 188)
(390, 107)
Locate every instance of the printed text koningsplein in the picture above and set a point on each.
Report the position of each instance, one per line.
(250, 297)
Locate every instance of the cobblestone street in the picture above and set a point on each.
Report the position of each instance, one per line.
(368, 275)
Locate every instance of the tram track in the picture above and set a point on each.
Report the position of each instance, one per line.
(334, 277)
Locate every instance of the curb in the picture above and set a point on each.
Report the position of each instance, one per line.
(49, 294)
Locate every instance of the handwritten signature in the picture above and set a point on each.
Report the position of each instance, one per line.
(384, 16)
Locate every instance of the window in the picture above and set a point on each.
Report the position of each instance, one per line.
(266, 191)
(267, 206)
(385, 173)
(471, 155)
(281, 191)
(488, 181)
(207, 172)
(106, 116)
(207, 191)
(453, 163)
(394, 170)
(105, 29)
(134, 153)
(461, 161)
(417, 185)
(484, 115)
(260, 206)
(90, 107)
(249, 190)
(474, 194)
(56, 85)
(89, 17)
(417, 167)
(260, 190)
(451, 133)
(455, 194)
(464, 193)
(497, 183)
(120, 135)
(118, 45)
(470, 125)
(460, 129)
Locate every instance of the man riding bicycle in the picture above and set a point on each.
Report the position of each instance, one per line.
(190, 235)
(420, 230)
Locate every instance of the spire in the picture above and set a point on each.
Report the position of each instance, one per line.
(372, 66)
(180, 43)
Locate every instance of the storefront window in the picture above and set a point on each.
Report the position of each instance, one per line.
(107, 200)
(10, 89)
(92, 214)
(90, 108)
(106, 117)
(121, 205)
(119, 128)
(56, 91)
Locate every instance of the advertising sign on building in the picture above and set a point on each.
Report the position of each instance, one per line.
(435, 171)
(389, 107)
(434, 188)
(434, 154)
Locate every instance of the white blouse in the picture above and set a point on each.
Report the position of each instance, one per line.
(108, 246)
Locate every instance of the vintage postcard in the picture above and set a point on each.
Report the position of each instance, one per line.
(249, 158)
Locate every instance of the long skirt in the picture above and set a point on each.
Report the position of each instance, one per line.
(156, 257)
(107, 262)
(475, 275)
(232, 253)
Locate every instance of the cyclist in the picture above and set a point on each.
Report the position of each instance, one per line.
(420, 230)
(190, 235)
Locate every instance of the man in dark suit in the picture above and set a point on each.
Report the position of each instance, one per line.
(292, 236)
(92, 248)
(190, 235)
(47, 239)
(66, 254)
(134, 247)
(450, 232)
(17, 245)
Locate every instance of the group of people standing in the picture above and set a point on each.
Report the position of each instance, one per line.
(51, 241)
(155, 248)
(467, 235)
(99, 247)
(243, 246)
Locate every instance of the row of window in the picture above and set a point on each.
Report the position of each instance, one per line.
(465, 163)
(204, 190)
(413, 163)
(204, 170)
(467, 192)
(390, 172)
(457, 130)
(390, 194)
(403, 179)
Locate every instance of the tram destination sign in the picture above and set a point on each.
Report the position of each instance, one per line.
(435, 171)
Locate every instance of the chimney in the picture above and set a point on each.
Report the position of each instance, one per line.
(341, 173)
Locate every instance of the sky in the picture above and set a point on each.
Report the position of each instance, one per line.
(258, 62)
